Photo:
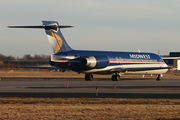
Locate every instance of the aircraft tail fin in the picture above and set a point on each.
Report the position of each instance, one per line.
(55, 37)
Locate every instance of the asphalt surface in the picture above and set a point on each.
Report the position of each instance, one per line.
(146, 88)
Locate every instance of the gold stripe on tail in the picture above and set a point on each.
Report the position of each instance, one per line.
(59, 40)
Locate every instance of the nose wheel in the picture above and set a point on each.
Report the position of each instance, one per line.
(88, 77)
(115, 77)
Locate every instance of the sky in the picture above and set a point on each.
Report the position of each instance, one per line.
(107, 25)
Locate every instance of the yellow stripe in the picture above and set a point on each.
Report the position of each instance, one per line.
(59, 41)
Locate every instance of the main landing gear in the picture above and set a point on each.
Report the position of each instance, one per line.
(89, 77)
(158, 77)
(115, 77)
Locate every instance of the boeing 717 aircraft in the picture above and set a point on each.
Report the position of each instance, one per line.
(97, 62)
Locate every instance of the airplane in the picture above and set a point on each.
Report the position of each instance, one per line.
(97, 62)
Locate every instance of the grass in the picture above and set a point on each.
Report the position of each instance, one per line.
(89, 108)
(17, 100)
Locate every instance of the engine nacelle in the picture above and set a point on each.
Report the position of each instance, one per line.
(99, 61)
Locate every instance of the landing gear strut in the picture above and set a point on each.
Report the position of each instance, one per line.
(158, 77)
(115, 77)
(88, 77)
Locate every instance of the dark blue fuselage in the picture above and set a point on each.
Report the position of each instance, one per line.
(73, 60)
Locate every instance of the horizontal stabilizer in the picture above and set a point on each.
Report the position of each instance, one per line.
(45, 27)
(53, 32)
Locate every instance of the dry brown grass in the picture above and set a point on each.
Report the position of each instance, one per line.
(91, 112)
(17, 100)
(37, 73)
(89, 108)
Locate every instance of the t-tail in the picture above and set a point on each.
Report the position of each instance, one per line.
(53, 32)
(56, 39)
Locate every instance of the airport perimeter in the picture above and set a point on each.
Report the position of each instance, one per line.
(55, 95)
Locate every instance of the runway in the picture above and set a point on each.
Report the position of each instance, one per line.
(146, 88)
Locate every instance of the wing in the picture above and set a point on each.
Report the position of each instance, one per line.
(41, 67)
(138, 69)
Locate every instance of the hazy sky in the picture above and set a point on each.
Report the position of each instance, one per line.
(115, 25)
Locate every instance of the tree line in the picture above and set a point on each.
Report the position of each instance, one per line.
(25, 57)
